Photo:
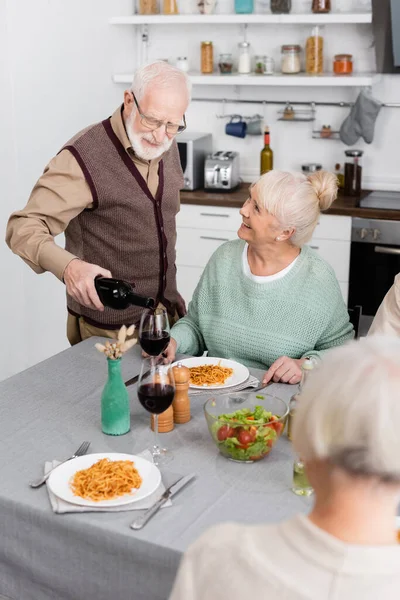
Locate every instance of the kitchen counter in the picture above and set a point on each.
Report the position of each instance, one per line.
(343, 205)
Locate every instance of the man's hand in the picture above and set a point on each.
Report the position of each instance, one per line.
(170, 352)
(79, 280)
(180, 306)
(284, 370)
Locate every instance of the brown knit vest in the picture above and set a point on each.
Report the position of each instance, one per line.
(128, 231)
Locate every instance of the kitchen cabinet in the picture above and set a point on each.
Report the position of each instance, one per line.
(202, 229)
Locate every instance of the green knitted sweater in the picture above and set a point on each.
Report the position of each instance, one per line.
(231, 316)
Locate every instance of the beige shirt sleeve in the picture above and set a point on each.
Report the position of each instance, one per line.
(387, 319)
(60, 194)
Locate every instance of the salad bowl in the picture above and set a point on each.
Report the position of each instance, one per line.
(245, 426)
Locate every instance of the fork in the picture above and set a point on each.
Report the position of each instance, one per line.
(83, 448)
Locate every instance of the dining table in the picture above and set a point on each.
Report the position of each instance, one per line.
(46, 411)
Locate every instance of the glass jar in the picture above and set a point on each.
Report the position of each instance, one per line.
(343, 64)
(291, 59)
(170, 7)
(244, 64)
(311, 167)
(321, 6)
(182, 63)
(225, 63)
(243, 7)
(315, 53)
(264, 65)
(147, 7)
(281, 6)
(353, 172)
(207, 58)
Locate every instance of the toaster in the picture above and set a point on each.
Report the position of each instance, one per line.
(221, 171)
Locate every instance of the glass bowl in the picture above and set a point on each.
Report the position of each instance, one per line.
(238, 437)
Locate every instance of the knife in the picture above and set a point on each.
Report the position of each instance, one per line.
(171, 491)
(134, 379)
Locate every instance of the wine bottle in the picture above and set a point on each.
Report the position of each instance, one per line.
(119, 294)
(267, 156)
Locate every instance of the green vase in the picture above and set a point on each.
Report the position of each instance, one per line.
(115, 410)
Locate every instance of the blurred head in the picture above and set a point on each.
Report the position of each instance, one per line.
(154, 108)
(349, 413)
(285, 207)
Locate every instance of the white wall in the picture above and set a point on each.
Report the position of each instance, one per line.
(56, 63)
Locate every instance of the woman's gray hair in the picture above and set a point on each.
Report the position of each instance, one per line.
(296, 200)
(349, 413)
(164, 74)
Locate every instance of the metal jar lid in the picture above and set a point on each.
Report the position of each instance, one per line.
(244, 44)
(311, 167)
(291, 48)
(354, 153)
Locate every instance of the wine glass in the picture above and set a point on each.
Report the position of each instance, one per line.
(156, 390)
(154, 331)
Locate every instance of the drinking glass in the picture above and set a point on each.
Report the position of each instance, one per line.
(301, 485)
(156, 390)
(154, 331)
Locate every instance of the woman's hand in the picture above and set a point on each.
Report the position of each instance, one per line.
(170, 352)
(284, 370)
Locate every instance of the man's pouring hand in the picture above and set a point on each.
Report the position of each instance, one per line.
(79, 279)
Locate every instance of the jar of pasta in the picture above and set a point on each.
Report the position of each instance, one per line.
(147, 7)
(207, 58)
(315, 53)
(343, 64)
(291, 59)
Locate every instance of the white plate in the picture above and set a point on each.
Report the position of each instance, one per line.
(240, 372)
(59, 479)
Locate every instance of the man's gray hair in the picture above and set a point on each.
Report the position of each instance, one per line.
(349, 413)
(162, 73)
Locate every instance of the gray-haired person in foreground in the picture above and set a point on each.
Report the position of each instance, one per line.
(347, 431)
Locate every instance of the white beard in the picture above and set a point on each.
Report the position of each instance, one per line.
(145, 152)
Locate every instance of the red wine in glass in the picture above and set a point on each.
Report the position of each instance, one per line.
(154, 332)
(155, 397)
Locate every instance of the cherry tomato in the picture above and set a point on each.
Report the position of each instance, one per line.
(278, 427)
(245, 437)
(253, 433)
(259, 457)
(222, 433)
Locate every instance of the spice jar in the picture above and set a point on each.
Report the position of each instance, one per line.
(243, 7)
(343, 64)
(281, 6)
(148, 7)
(264, 65)
(315, 53)
(182, 63)
(207, 58)
(225, 63)
(170, 7)
(311, 168)
(291, 59)
(321, 6)
(244, 65)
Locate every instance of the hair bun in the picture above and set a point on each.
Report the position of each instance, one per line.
(325, 186)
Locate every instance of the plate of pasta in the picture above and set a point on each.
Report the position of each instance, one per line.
(107, 479)
(215, 373)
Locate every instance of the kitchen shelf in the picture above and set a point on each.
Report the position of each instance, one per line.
(302, 79)
(252, 19)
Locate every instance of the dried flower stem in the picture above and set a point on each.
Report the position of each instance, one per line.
(114, 350)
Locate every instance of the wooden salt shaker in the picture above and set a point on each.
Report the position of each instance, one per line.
(165, 419)
(181, 402)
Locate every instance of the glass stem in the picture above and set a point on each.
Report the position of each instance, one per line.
(156, 448)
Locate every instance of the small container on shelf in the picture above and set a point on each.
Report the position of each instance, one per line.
(343, 64)
(315, 53)
(298, 114)
(264, 65)
(308, 168)
(147, 7)
(170, 7)
(244, 7)
(290, 64)
(321, 6)
(207, 58)
(325, 133)
(281, 6)
(225, 64)
(244, 64)
(182, 63)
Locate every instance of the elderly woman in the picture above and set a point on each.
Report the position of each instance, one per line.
(267, 299)
(346, 429)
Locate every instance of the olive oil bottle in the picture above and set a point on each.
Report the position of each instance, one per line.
(267, 156)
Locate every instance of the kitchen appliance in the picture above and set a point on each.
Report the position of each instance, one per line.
(374, 262)
(384, 200)
(222, 171)
(352, 172)
(193, 149)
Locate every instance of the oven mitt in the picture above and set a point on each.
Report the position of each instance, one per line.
(361, 120)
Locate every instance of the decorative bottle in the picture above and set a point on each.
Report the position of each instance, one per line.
(115, 410)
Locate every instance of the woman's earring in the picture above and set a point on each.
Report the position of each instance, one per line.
(278, 239)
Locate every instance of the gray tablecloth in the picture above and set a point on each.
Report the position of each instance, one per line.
(45, 412)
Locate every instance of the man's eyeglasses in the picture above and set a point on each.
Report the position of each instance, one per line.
(152, 124)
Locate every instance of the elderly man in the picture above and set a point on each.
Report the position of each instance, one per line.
(387, 318)
(114, 190)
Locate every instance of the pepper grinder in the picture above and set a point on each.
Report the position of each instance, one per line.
(165, 419)
(181, 402)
